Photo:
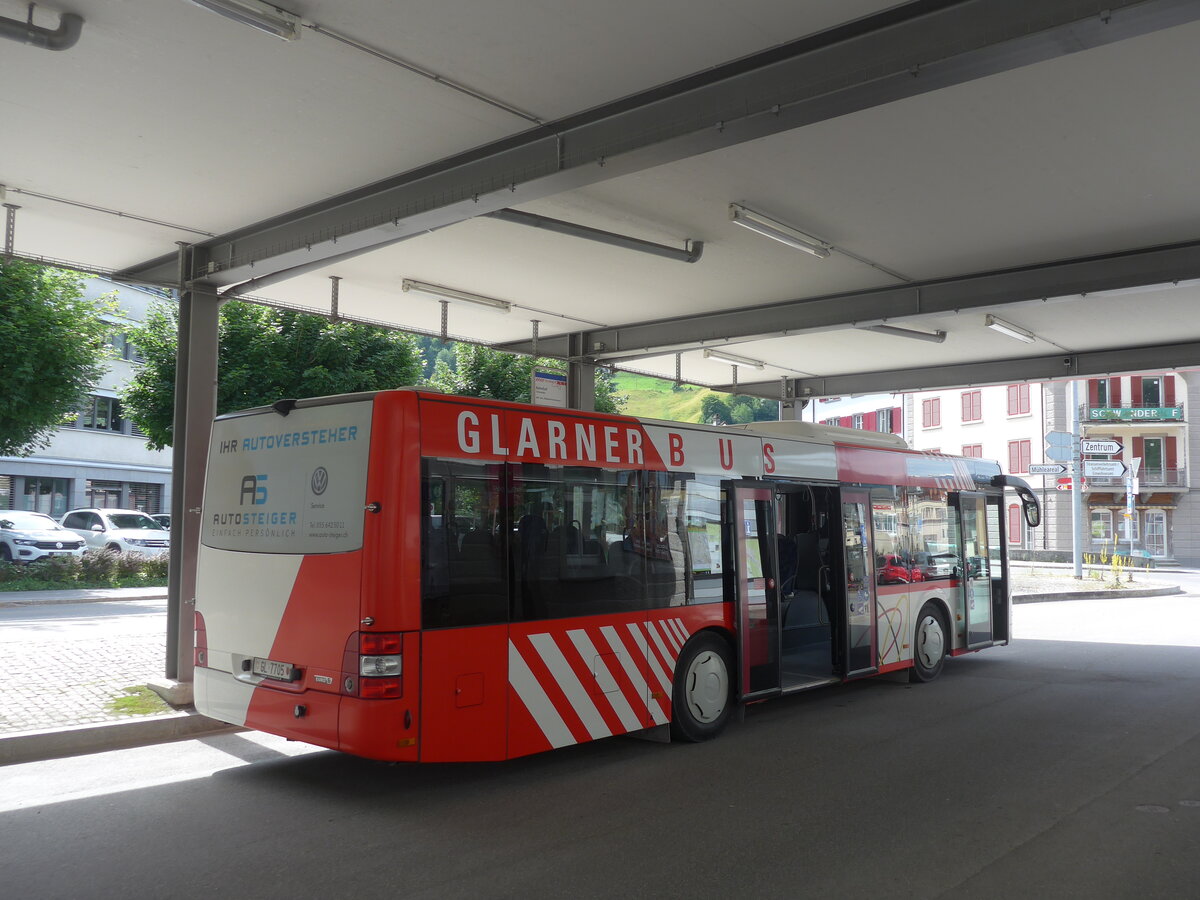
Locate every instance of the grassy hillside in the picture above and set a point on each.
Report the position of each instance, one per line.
(655, 398)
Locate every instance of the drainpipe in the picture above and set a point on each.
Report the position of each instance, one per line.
(70, 26)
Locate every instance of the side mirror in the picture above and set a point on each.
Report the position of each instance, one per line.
(97, 528)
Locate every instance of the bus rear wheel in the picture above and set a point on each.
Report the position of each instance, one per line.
(929, 646)
(702, 695)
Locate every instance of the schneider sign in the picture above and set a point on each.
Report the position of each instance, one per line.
(1127, 413)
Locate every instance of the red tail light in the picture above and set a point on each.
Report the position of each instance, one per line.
(379, 666)
(379, 644)
(200, 653)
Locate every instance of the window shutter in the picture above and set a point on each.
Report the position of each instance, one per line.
(1014, 524)
(896, 420)
(1093, 392)
(1135, 390)
(869, 421)
(1170, 459)
(1168, 390)
(1114, 392)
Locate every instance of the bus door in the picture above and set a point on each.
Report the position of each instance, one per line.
(754, 572)
(858, 561)
(976, 568)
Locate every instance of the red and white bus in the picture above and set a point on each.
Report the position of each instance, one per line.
(406, 575)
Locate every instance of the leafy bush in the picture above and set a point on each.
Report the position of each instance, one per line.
(99, 567)
(56, 568)
(155, 568)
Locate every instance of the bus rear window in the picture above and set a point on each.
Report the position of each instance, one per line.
(294, 484)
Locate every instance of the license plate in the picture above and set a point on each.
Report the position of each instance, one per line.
(269, 668)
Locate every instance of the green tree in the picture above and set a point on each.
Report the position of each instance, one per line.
(53, 348)
(266, 354)
(484, 372)
(715, 411)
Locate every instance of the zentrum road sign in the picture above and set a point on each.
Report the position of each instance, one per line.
(1112, 448)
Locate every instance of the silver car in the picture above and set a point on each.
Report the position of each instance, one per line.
(28, 536)
(118, 531)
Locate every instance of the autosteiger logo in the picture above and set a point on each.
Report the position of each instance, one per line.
(320, 480)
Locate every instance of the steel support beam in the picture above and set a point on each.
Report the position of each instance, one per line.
(195, 406)
(1114, 361)
(581, 379)
(895, 54)
(1090, 275)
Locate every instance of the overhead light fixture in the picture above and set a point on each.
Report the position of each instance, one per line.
(1013, 331)
(777, 231)
(935, 337)
(435, 290)
(734, 360)
(262, 16)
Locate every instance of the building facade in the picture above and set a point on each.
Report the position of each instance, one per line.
(1150, 416)
(100, 459)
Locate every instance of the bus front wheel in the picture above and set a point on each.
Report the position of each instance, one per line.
(701, 698)
(929, 647)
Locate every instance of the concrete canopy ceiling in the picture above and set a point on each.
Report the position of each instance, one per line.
(1030, 160)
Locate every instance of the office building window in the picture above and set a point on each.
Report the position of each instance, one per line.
(102, 414)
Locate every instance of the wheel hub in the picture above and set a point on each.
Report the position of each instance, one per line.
(931, 643)
(707, 686)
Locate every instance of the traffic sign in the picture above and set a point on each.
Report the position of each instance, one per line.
(1064, 484)
(1104, 468)
(1059, 438)
(1110, 447)
(1059, 453)
(1047, 469)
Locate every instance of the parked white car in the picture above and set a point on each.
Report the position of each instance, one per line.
(118, 530)
(28, 536)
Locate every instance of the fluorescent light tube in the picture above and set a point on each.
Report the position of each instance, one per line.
(734, 360)
(446, 293)
(1012, 331)
(777, 231)
(935, 337)
(262, 16)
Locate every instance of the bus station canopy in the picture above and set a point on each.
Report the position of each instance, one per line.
(972, 192)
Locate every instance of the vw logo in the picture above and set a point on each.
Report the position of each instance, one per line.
(59, 545)
(320, 480)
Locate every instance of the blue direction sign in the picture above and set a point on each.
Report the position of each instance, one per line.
(1060, 446)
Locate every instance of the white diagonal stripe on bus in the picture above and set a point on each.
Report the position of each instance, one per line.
(577, 694)
(680, 630)
(663, 678)
(522, 679)
(635, 675)
(616, 699)
(662, 628)
(672, 653)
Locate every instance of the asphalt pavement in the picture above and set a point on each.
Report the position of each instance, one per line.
(61, 671)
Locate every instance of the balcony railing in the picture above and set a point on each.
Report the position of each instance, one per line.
(1147, 478)
(1134, 413)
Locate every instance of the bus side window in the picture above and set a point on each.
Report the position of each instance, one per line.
(463, 522)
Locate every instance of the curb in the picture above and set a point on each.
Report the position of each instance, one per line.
(30, 746)
(1099, 595)
(29, 599)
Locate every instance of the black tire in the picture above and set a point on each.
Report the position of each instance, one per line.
(702, 695)
(929, 644)
(5, 553)
(113, 549)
